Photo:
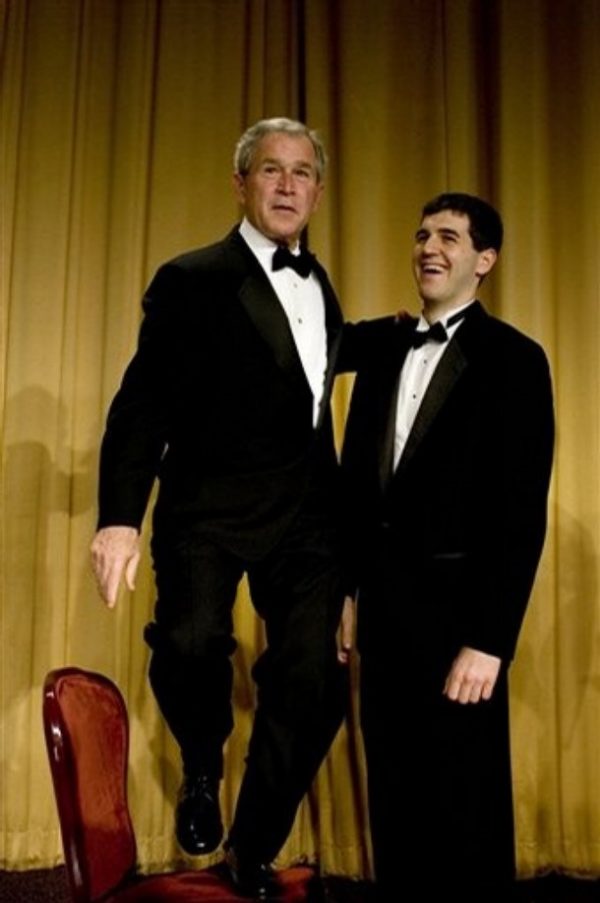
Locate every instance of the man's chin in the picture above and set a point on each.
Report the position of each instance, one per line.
(288, 237)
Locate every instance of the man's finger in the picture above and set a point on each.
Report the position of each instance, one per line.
(131, 571)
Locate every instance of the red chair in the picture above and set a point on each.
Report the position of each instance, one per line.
(87, 735)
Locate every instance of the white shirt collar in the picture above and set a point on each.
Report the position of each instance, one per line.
(256, 240)
(424, 324)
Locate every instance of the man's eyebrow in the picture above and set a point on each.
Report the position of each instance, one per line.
(274, 161)
(443, 230)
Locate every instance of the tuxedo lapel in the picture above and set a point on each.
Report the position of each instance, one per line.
(387, 399)
(262, 305)
(451, 367)
(259, 300)
(333, 314)
(268, 316)
(385, 454)
(333, 324)
(447, 373)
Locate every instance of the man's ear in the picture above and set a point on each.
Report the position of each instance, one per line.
(318, 196)
(486, 261)
(239, 186)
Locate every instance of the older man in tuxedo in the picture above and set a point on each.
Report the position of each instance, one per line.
(448, 454)
(226, 401)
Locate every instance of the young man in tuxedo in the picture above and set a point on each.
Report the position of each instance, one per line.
(447, 454)
(227, 401)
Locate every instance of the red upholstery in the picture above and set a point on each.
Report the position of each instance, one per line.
(87, 734)
(208, 887)
(86, 728)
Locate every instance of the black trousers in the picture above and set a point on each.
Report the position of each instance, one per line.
(439, 775)
(297, 590)
(439, 797)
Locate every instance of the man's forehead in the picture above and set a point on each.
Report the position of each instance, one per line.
(282, 142)
(453, 219)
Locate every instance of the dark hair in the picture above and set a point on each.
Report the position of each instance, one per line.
(485, 224)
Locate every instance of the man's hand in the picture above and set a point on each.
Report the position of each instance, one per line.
(403, 315)
(115, 551)
(472, 676)
(346, 631)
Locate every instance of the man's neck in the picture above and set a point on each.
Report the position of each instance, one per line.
(257, 239)
(434, 312)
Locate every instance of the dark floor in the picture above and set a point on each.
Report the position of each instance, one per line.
(50, 887)
(559, 889)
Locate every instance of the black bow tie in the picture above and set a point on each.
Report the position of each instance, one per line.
(302, 263)
(437, 332)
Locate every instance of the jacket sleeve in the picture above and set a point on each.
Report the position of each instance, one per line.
(137, 426)
(513, 529)
(362, 342)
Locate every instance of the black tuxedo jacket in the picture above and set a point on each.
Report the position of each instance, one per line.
(461, 522)
(216, 403)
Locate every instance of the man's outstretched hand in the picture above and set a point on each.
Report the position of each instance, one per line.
(115, 553)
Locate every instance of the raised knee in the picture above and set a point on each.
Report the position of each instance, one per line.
(184, 642)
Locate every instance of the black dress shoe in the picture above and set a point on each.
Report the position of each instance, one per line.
(198, 823)
(256, 880)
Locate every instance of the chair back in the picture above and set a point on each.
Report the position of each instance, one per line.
(87, 735)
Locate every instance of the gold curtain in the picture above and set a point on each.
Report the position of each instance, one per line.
(118, 123)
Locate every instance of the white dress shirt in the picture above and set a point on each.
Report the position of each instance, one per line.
(419, 366)
(302, 301)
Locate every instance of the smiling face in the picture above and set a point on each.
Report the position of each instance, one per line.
(446, 266)
(281, 190)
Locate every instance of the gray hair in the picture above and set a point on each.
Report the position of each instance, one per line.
(246, 146)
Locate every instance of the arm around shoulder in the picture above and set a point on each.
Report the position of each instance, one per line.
(364, 340)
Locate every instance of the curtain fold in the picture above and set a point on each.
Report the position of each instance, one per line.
(118, 123)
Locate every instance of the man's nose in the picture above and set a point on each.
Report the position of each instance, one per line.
(285, 182)
(430, 245)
